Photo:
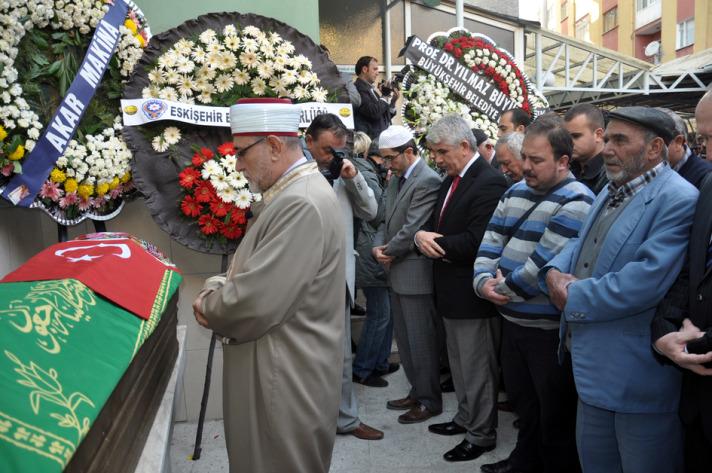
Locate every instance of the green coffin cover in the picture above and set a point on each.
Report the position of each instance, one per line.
(63, 350)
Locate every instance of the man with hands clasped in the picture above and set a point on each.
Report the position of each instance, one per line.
(409, 200)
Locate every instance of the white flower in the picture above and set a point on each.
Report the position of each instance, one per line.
(265, 70)
(207, 36)
(171, 135)
(210, 169)
(250, 45)
(232, 42)
(223, 83)
(205, 97)
(251, 31)
(244, 199)
(240, 77)
(184, 46)
(229, 162)
(228, 195)
(198, 55)
(219, 182)
(248, 59)
(185, 65)
(159, 144)
(156, 76)
(230, 30)
(186, 86)
(319, 94)
(258, 86)
(226, 61)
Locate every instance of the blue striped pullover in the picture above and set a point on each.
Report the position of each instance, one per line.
(542, 236)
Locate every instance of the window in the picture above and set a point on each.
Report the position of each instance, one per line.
(564, 11)
(582, 28)
(643, 4)
(685, 33)
(610, 19)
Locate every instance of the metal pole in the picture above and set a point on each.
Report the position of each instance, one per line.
(387, 40)
(460, 13)
(206, 385)
(539, 66)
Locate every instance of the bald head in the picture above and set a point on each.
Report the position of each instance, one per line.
(703, 116)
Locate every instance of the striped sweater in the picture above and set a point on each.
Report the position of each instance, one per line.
(546, 230)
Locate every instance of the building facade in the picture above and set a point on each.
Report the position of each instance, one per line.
(656, 31)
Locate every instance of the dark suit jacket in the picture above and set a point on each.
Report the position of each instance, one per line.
(463, 226)
(695, 170)
(691, 297)
(373, 115)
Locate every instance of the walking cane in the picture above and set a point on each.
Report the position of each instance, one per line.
(206, 386)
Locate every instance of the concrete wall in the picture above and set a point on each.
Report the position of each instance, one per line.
(165, 14)
(24, 232)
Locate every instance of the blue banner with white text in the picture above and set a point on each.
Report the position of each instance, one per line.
(22, 188)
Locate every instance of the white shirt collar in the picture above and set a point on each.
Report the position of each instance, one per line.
(298, 162)
(409, 171)
(469, 163)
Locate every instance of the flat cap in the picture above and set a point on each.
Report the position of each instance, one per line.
(480, 136)
(649, 118)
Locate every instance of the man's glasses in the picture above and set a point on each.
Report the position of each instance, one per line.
(241, 154)
(390, 158)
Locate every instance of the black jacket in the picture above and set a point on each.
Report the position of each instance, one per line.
(695, 170)
(373, 115)
(691, 297)
(463, 227)
(593, 175)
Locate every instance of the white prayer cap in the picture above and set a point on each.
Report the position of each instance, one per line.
(394, 136)
(265, 116)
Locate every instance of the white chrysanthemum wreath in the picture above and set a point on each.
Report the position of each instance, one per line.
(42, 43)
(220, 68)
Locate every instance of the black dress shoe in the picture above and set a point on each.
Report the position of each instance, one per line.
(447, 428)
(447, 386)
(466, 451)
(500, 467)
(372, 381)
(392, 368)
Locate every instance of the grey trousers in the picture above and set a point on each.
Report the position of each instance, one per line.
(348, 406)
(415, 331)
(472, 350)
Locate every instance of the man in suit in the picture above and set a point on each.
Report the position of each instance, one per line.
(325, 133)
(607, 283)
(409, 200)
(466, 200)
(682, 328)
(374, 113)
(509, 156)
(680, 156)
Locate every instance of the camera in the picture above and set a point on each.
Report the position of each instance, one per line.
(333, 172)
(386, 87)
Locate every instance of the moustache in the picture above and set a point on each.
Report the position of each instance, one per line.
(529, 174)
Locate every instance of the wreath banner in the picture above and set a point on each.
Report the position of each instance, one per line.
(476, 89)
(142, 111)
(23, 188)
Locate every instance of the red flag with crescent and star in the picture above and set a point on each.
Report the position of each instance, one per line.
(119, 270)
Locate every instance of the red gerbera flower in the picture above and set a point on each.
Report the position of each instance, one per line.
(226, 148)
(190, 206)
(188, 177)
(219, 208)
(198, 159)
(232, 231)
(207, 153)
(238, 216)
(203, 191)
(209, 224)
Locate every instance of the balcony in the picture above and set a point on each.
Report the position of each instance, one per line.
(647, 16)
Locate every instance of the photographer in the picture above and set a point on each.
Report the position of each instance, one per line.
(326, 140)
(377, 108)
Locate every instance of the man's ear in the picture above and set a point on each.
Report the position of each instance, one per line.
(655, 147)
(276, 146)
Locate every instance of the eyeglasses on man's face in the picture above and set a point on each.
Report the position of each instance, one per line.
(241, 153)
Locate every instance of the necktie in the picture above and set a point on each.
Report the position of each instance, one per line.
(453, 187)
(401, 182)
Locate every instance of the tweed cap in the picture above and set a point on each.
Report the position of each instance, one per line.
(649, 118)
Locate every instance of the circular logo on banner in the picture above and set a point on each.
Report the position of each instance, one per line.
(153, 109)
(345, 111)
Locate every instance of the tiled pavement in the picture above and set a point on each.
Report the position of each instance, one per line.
(405, 448)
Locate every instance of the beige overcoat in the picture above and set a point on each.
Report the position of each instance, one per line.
(282, 306)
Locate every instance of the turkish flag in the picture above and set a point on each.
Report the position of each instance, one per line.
(120, 270)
